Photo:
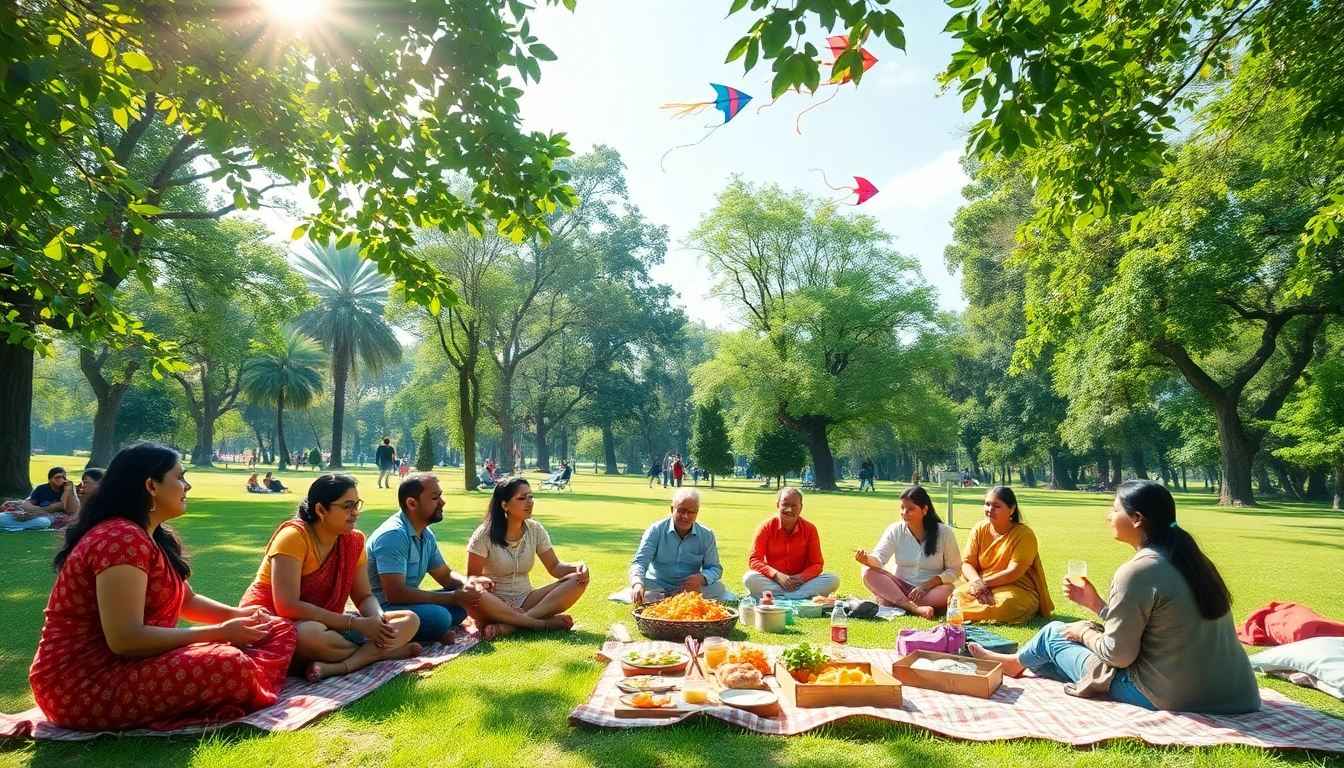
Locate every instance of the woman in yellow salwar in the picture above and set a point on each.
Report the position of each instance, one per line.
(1005, 581)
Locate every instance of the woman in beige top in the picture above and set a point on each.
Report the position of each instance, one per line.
(1168, 643)
(504, 550)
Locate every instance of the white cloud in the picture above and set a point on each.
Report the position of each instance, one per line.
(926, 187)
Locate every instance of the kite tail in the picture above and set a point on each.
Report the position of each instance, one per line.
(772, 103)
(689, 108)
(684, 146)
(798, 123)
(829, 184)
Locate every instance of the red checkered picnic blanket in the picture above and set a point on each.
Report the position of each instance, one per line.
(1026, 707)
(300, 703)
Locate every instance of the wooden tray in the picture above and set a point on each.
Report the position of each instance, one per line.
(982, 685)
(886, 693)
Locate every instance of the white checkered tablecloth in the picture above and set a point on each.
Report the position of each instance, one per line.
(1027, 707)
(301, 702)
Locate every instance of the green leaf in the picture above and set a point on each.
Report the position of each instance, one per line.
(99, 45)
(737, 6)
(739, 48)
(145, 209)
(541, 52)
(137, 60)
(121, 118)
(55, 249)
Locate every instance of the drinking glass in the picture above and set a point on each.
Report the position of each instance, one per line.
(716, 652)
(1077, 575)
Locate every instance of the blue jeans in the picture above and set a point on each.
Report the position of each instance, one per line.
(1050, 654)
(435, 620)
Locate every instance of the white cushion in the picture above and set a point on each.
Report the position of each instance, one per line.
(1322, 658)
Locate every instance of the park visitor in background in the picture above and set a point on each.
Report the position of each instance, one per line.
(678, 554)
(785, 554)
(385, 456)
(1005, 580)
(314, 563)
(505, 547)
(51, 504)
(112, 656)
(1169, 641)
(926, 558)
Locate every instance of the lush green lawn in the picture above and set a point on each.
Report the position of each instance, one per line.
(506, 703)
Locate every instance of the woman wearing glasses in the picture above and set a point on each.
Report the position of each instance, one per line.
(313, 564)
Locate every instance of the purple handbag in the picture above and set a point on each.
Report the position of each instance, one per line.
(944, 638)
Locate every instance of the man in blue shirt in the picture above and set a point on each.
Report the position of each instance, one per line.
(678, 554)
(53, 498)
(403, 551)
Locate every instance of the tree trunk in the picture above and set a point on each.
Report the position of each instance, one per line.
(1140, 465)
(108, 396)
(504, 418)
(340, 372)
(282, 446)
(609, 448)
(1103, 468)
(16, 413)
(813, 429)
(1238, 454)
(467, 420)
(1117, 471)
(1339, 482)
(1031, 477)
(1318, 485)
(1262, 480)
(1168, 480)
(543, 450)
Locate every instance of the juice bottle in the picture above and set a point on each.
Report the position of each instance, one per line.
(954, 616)
(694, 688)
(839, 632)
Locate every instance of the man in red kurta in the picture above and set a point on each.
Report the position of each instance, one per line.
(786, 554)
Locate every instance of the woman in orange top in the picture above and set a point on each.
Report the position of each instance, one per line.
(1005, 581)
(313, 565)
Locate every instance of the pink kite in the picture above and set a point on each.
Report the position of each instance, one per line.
(838, 45)
(862, 187)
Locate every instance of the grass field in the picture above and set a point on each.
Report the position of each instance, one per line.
(506, 703)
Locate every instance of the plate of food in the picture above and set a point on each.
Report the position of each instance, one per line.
(646, 684)
(643, 662)
(648, 701)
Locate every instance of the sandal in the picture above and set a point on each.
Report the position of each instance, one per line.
(494, 631)
(562, 622)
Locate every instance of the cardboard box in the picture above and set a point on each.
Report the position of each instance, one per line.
(886, 692)
(983, 684)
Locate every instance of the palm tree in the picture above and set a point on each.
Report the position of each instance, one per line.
(348, 320)
(290, 375)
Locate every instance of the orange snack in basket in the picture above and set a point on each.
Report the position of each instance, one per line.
(687, 606)
(746, 654)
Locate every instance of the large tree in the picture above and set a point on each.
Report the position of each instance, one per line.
(838, 327)
(285, 372)
(366, 107)
(711, 447)
(347, 321)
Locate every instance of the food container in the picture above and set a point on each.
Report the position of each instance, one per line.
(983, 684)
(811, 610)
(770, 618)
(885, 693)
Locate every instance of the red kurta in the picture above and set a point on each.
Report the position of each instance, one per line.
(81, 684)
(774, 550)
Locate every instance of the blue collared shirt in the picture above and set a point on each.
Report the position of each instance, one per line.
(394, 548)
(667, 559)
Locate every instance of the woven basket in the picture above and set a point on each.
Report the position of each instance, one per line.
(677, 631)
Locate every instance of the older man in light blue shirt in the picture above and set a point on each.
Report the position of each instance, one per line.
(678, 554)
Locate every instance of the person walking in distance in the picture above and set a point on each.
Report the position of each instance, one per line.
(386, 459)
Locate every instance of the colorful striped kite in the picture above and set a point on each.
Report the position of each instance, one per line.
(730, 101)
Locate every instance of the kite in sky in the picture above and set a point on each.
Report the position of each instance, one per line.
(838, 45)
(730, 101)
(862, 187)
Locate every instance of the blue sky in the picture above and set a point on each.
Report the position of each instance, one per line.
(620, 59)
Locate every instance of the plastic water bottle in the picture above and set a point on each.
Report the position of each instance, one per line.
(839, 632)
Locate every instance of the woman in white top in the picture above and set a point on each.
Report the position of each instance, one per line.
(505, 548)
(927, 558)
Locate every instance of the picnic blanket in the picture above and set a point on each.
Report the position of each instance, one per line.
(301, 702)
(1026, 707)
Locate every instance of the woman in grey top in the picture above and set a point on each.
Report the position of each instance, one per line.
(1168, 643)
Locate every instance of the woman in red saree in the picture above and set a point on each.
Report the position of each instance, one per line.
(313, 565)
(111, 655)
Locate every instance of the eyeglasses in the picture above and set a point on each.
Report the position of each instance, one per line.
(685, 511)
(350, 506)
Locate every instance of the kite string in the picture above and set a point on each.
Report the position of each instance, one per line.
(827, 182)
(798, 122)
(712, 129)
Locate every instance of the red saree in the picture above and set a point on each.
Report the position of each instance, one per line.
(81, 684)
(328, 587)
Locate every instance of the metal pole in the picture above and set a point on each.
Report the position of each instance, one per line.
(949, 505)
